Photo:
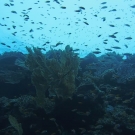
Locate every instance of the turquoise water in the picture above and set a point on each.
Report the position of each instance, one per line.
(87, 26)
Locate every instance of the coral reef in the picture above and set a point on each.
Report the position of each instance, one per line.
(53, 76)
(12, 67)
(102, 103)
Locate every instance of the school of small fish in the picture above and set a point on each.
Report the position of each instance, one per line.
(107, 32)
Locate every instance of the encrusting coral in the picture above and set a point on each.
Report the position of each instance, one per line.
(54, 75)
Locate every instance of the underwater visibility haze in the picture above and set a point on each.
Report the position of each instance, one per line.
(67, 67)
(84, 25)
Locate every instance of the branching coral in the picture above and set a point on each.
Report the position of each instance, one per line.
(55, 75)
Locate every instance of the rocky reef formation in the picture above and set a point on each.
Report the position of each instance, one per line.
(54, 75)
(102, 91)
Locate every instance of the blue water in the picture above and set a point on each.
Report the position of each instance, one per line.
(87, 26)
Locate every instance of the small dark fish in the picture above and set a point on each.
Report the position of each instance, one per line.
(117, 18)
(104, 7)
(63, 7)
(14, 33)
(14, 42)
(97, 49)
(115, 33)
(40, 22)
(40, 28)
(85, 18)
(6, 5)
(104, 19)
(127, 25)
(126, 46)
(77, 10)
(29, 8)
(108, 49)
(112, 36)
(26, 19)
(95, 15)
(3, 43)
(96, 52)
(105, 42)
(8, 46)
(111, 25)
(31, 30)
(86, 23)
(132, 6)
(14, 12)
(22, 34)
(128, 38)
(44, 44)
(116, 47)
(76, 50)
(56, 1)
(82, 8)
(112, 10)
(14, 26)
(55, 18)
(47, 42)
(59, 43)
(11, 4)
(103, 2)
(31, 36)
(47, 1)
(25, 15)
(99, 35)
(116, 40)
